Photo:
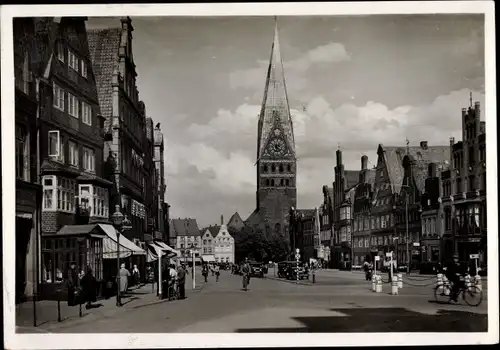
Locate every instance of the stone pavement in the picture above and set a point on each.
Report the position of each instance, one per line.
(106, 308)
(343, 303)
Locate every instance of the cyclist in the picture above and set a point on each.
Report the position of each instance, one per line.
(453, 272)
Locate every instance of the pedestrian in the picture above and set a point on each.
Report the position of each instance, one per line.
(172, 278)
(204, 271)
(217, 273)
(73, 283)
(245, 269)
(89, 288)
(124, 275)
(212, 269)
(136, 275)
(181, 280)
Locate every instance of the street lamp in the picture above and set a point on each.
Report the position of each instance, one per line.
(193, 252)
(119, 222)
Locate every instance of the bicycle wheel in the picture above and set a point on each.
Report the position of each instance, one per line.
(442, 294)
(473, 296)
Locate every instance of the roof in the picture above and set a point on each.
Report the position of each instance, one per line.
(235, 221)
(186, 227)
(79, 229)
(104, 45)
(394, 156)
(351, 178)
(214, 230)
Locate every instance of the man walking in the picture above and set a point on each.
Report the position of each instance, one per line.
(217, 273)
(245, 269)
(181, 279)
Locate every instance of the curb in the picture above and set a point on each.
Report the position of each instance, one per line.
(309, 284)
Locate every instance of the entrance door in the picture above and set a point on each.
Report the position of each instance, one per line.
(23, 233)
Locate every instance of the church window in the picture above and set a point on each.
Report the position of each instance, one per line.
(265, 169)
(273, 168)
(287, 182)
(272, 182)
(289, 168)
(282, 182)
(267, 182)
(281, 168)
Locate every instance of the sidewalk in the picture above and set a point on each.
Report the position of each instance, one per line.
(47, 310)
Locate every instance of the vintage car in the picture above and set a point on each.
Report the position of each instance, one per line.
(257, 269)
(290, 270)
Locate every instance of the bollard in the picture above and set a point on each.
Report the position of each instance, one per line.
(374, 283)
(478, 283)
(400, 280)
(80, 311)
(314, 277)
(379, 284)
(58, 310)
(394, 289)
(468, 282)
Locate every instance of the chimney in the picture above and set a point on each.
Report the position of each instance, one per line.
(221, 220)
(432, 170)
(423, 145)
(364, 162)
(339, 157)
(477, 109)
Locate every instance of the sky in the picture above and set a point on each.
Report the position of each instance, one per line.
(353, 82)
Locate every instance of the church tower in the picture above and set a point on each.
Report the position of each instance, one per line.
(276, 161)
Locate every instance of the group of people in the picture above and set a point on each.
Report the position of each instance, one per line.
(214, 268)
(82, 287)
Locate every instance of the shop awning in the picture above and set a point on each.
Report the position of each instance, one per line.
(208, 258)
(166, 247)
(159, 250)
(109, 244)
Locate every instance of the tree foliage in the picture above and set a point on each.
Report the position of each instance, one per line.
(253, 244)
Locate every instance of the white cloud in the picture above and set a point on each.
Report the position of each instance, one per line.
(329, 53)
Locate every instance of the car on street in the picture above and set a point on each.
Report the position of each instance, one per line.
(290, 270)
(257, 269)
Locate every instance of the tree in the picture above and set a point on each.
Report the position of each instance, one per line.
(253, 244)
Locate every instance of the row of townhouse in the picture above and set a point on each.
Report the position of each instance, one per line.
(83, 145)
(424, 203)
(211, 244)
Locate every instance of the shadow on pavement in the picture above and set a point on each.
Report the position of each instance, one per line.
(385, 320)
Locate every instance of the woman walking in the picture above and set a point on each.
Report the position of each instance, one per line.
(124, 275)
(89, 288)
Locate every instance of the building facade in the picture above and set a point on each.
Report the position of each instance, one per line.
(208, 240)
(28, 188)
(187, 236)
(161, 187)
(276, 160)
(224, 245)
(125, 122)
(361, 212)
(342, 223)
(75, 191)
(326, 227)
(464, 190)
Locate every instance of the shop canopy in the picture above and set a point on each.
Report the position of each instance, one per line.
(127, 248)
(158, 248)
(208, 258)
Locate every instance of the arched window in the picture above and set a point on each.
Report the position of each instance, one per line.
(289, 168)
(273, 168)
(281, 168)
(267, 182)
(265, 168)
(287, 182)
(272, 182)
(282, 182)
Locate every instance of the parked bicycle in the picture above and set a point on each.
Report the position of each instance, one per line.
(472, 295)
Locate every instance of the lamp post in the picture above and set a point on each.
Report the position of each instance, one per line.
(120, 222)
(193, 254)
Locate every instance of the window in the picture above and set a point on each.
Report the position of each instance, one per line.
(73, 105)
(86, 113)
(472, 183)
(281, 168)
(447, 219)
(424, 227)
(88, 159)
(73, 60)
(273, 168)
(355, 226)
(265, 169)
(289, 168)
(471, 156)
(58, 97)
(372, 226)
(287, 182)
(73, 154)
(100, 202)
(60, 51)
(22, 153)
(459, 185)
(66, 195)
(49, 183)
(84, 68)
(381, 173)
(22, 72)
(367, 242)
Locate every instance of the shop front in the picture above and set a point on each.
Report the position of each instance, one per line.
(78, 244)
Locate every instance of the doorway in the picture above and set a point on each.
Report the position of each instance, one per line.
(23, 234)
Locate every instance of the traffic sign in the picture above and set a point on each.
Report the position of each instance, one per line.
(377, 258)
(297, 250)
(474, 256)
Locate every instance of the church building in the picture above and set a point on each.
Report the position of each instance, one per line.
(276, 159)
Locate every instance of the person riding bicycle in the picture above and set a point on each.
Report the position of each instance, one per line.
(453, 272)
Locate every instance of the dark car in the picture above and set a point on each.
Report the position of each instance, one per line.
(256, 269)
(290, 270)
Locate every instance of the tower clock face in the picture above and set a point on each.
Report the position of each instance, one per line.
(277, 147)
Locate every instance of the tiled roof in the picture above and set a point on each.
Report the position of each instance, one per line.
(351, 178)
(422, 157)
(235, 221)
(103, 46)
(214, 230)
(186, 227)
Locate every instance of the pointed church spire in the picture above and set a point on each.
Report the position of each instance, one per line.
(275, 111)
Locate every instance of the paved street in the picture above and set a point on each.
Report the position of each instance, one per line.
(339, 302)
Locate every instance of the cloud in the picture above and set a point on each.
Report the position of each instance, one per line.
(254, 77)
